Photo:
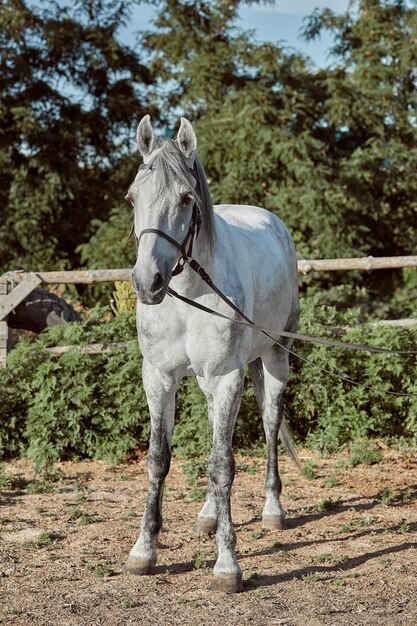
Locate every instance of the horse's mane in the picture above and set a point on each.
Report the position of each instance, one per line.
(171, 164)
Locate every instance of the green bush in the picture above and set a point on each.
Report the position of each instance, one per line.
(75, 405)
(93, 406)
(364, 452)
(328, 412)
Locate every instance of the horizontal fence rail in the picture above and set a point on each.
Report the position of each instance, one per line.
(81, 277)
(363, 263)
(90, 277)
(101, 348)
(15, 286)
(89, 348)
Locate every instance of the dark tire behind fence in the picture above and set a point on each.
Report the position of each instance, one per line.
(42, 309)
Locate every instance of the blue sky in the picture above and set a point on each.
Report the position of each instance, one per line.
(282, 22)
(279, 23)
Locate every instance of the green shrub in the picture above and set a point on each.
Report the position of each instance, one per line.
(328, 412)
(364, 452)
(93, 406)
(309, 470)
(75, 405)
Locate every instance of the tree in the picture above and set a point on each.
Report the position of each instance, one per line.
(253, 104)
(369, 128)
(330, 150)
(70, 95)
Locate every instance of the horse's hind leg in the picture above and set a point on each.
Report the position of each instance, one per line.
(270, 376)
(160, 391)
(207, 518)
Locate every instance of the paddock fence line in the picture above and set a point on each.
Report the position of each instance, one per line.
(305, 266)
(102, 348)
(16, 286)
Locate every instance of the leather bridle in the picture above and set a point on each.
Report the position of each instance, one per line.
(186, 247)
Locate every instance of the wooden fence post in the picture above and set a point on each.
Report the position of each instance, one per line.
(5, 331)
(12, 294)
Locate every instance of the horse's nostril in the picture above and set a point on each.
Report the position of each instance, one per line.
(158, 283)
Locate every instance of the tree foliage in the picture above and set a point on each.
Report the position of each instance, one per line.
(330, 150)
(70, 93)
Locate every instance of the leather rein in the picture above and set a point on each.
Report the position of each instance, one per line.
(186, 249)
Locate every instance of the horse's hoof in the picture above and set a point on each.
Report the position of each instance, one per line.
(274, 522)
(227, 584)
(205, 525)
(138, 567)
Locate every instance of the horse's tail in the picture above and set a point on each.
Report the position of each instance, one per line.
(287, 440)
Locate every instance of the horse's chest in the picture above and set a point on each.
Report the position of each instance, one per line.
(161, 339)
(195, 343)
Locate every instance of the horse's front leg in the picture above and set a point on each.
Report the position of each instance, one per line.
(227, 391)
(160, 392)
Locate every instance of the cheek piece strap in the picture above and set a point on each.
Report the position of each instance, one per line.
(186, 248)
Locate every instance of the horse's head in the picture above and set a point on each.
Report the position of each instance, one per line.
(166, 197)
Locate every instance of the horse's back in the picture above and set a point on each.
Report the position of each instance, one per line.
(252, 217)
(261, 232)
(259, 253)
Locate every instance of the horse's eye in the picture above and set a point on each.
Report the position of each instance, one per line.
(186, 198)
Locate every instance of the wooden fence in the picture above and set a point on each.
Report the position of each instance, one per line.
(16, 286)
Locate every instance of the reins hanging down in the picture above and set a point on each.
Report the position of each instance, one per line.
(186, 257)
(340, 344)
(248, 322)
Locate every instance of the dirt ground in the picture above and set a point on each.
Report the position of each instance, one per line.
(348, 557)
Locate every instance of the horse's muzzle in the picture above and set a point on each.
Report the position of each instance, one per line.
(152, 294)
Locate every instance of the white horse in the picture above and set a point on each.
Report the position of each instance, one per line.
(250, 256)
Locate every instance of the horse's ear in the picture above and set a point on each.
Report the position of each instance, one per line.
(145, 137)
(187, 141)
